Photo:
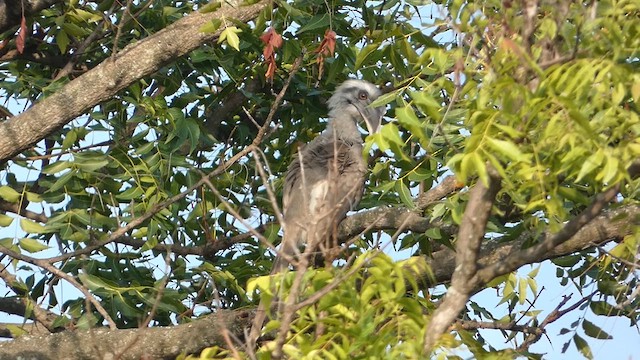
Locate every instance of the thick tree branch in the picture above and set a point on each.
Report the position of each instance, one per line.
(609, 226)
(550, 241)
(149, 343)
(470, 235)
(114, 74)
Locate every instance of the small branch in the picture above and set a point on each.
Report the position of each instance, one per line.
(63, 275)
(494, 325)
(553, 316)
(22, 211)
(19, 306)
(550, 241)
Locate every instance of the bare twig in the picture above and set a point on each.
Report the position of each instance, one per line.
(63, 275)
(553, 316)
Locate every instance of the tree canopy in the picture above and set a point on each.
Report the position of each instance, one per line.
(143, 146)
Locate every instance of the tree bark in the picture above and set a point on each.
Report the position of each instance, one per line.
(134, 344)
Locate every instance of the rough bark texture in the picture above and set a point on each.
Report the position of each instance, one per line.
(134, 344)
(114, 74)
(470, 235)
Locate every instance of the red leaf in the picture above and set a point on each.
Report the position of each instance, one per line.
(330, 37)
(326, 48)
(272, 40)
(22, 35)
(4, 43)
(328, 45)
(271, 71)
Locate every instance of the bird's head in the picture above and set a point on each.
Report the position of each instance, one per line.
(352, 99)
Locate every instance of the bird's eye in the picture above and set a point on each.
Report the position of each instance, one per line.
(362, 95)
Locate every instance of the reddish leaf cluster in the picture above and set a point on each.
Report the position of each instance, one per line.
(272, 40)
(326, 48)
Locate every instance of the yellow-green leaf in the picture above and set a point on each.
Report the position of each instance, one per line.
(405, 194)
(230, 34)
(591, 164)
(364, 53)
(582, 346)
(32, 245)
(32, 227)
(5, 220)
(210, 7)
(211, 27)
(9, 194)
(507, 149)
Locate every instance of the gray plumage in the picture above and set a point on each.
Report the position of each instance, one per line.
(326, 178)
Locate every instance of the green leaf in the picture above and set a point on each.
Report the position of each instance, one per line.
(210, 7)
(635, 90)
(592, 162)
(384, 99)
(594, 331)
(9, 194)
(62, 40)
(316, 22)
(211, 27)
(93, 282)
(507, 149)
(32, 245)
(16, 330)
(131, 193)
(32, 227)
(5, 220)
(230, 34)
(405, 194)
(522, 291)
(262, 283)
(582, 346)
(364, 54)
(56, 167)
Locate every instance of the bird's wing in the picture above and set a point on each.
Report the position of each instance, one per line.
(323, 183)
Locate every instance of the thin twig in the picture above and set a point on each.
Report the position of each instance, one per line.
(63, 275)
(553, 316)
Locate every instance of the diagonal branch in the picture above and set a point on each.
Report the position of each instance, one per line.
(114, 74)
(550, 241)
(470, 235)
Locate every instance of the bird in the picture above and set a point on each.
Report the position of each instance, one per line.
(326, 178)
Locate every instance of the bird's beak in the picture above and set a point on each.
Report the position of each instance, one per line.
(373, 119)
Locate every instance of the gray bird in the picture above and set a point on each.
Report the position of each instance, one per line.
(326, 178)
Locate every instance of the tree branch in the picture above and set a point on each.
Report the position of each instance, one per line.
(150, 343)
(470, 235)
(114, 74)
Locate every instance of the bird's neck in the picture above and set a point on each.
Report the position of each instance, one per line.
(343, 128)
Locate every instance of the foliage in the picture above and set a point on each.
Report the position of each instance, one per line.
(549, 100)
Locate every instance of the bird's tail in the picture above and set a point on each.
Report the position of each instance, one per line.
(289, 248)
